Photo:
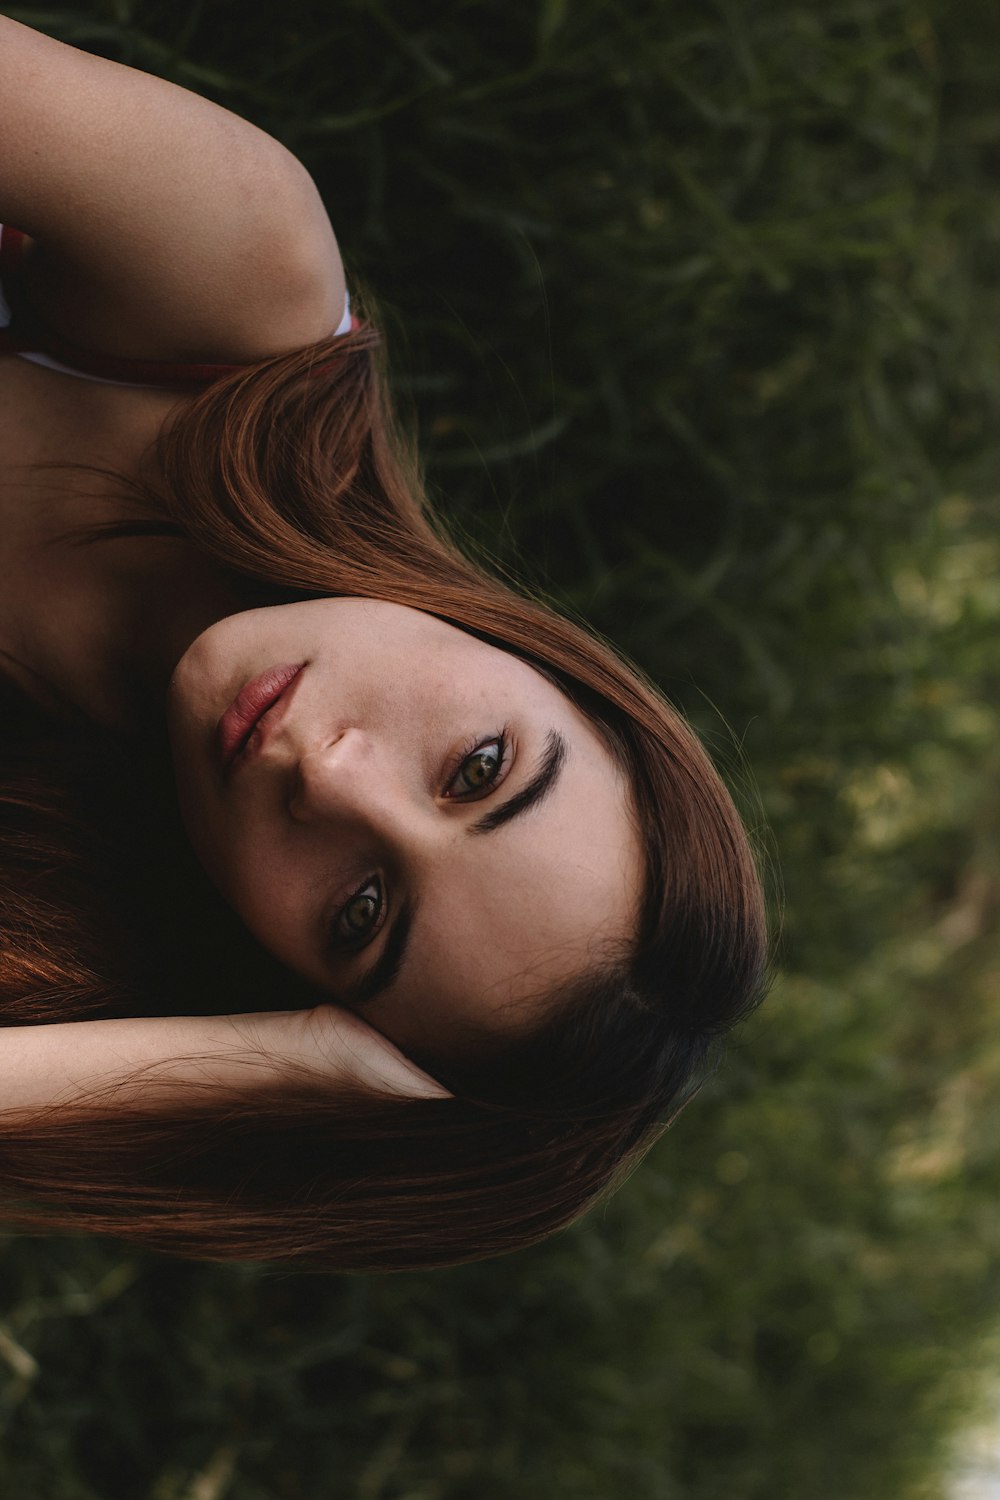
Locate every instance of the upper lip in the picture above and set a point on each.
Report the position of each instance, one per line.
(256, 699)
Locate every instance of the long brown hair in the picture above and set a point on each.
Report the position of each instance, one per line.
(294, 476)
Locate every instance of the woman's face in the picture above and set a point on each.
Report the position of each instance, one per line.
(422, 826)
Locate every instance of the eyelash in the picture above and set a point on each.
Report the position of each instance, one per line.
(501, 739)
(341, 944)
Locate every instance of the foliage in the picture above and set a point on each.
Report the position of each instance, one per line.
(696, 307)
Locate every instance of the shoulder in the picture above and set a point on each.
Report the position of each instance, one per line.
(163, 226)
(232, 288)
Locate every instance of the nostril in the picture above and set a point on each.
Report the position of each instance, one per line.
(320, 777)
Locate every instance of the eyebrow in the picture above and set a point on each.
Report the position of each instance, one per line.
(540, 785)
(390, 960)
(386, 969)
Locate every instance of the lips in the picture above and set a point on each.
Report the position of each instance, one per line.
(243, 715)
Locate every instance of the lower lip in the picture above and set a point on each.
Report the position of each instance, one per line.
(242, 716)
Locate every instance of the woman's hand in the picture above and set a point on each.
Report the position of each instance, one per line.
(338, 1044)
(123, 1064)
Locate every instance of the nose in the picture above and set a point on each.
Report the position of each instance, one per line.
(348, 779)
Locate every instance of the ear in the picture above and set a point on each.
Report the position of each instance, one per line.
(342, 1044)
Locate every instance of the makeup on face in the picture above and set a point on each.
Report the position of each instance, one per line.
(253, 706)
(415, 821)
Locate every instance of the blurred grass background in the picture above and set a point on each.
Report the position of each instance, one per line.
(697, 305)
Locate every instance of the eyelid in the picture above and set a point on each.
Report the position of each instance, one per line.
(340, 947)
(504, 739)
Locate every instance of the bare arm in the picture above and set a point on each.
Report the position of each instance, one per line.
(131, 1063)
(161, 225)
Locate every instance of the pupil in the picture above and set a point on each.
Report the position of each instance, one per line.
(480, 767)
(360, 912)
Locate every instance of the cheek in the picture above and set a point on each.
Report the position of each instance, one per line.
(263, 894)
(250, 876)
(198, 825)
(283, 896)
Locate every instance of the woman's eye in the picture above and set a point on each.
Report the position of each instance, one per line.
(480, 768)
(359, 919)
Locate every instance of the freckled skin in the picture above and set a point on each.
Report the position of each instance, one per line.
(352, 783)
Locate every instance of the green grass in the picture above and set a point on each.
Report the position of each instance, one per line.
(697, 306)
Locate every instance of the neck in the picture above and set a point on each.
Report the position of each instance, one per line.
(98, 630)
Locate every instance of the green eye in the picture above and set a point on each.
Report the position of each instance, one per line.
(359, 917)
(480, 767)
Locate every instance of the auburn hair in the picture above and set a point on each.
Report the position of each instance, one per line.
(296, 478)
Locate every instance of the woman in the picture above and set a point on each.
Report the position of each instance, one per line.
(478, 905)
